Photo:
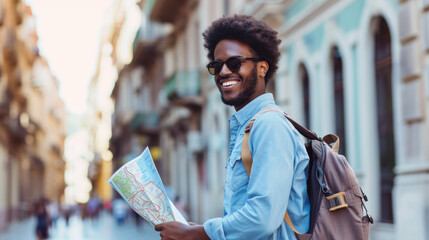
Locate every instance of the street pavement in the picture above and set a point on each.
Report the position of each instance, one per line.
(105, 228)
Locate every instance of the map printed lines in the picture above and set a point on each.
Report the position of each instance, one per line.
(144, 199)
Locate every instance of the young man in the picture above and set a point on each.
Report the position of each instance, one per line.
(244, 54)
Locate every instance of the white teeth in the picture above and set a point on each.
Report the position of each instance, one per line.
(229, 83)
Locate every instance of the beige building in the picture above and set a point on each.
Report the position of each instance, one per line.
(47, 114)
(32, 118)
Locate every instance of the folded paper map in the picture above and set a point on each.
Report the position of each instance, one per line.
(139, 183)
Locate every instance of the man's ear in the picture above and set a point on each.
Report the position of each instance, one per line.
(263, 69)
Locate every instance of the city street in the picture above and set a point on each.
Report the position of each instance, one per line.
(105, 228)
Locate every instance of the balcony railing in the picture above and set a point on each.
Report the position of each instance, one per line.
(183, 84)
(4, 109)
(16, 130)
(145, 122)
(166, 11)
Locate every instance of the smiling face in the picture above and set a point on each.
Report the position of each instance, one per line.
(239, 88)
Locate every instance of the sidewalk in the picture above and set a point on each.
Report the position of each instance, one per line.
(105, 228)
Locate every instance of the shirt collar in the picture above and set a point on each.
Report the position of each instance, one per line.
(252, 108)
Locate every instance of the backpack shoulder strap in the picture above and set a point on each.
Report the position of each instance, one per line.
(247, 160)
(301, 129)
(334, 140)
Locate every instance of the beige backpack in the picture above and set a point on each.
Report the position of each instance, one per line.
(336, 199)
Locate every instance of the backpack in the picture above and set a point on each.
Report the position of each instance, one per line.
(336, 199)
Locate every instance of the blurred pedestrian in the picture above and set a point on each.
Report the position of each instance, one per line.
(137, 218)
(53, 212)
(93, 207)
(120, 210)
(42, 219)
(108, 206)
(67, 210)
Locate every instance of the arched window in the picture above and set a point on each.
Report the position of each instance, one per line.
(337, 74)
(305, 81)
(386, 136)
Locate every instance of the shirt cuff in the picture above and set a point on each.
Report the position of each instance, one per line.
(214, 229)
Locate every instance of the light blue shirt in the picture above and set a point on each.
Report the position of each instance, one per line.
(254, 209)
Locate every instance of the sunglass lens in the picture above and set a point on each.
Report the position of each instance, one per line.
(233, 64)
(211, 70)
(214, 67)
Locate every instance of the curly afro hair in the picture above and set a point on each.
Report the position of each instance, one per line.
(246, 29)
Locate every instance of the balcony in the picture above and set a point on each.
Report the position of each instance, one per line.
(167, 11)
(4, 109)
(17, 132)
(184, 86)
(145, 53)
(145, 122)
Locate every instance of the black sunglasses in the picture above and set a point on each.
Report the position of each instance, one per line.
(233, 64)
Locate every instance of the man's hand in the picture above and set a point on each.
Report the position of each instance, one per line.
(179, 231)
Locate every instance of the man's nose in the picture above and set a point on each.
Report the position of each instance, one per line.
(224, 70)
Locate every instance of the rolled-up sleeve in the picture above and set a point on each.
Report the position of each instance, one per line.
(272, 146)
(214, 228)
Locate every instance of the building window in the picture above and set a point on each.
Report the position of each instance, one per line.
(226, 7)
(303, 75)
(386, 140)
(337, 70)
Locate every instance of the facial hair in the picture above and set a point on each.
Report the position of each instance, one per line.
(249, 85)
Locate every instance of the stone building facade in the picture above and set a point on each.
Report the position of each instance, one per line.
(32, 118)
